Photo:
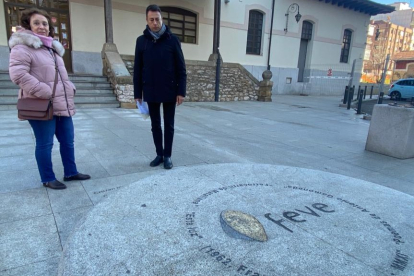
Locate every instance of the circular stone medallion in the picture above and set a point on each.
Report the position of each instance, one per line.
(246, 219)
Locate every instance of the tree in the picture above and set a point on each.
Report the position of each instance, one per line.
(378, 57)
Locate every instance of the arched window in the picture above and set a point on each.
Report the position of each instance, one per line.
(346, 46)
(182, 23)
(307, 30)
(254, 33)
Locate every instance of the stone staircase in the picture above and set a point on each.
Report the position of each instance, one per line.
(91, 92)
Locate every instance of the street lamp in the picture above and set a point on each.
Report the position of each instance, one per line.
(292, 8)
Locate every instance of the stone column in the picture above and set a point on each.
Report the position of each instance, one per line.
(113, 65)
(265, 87)
(109, 31)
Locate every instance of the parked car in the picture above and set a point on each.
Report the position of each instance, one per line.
(402, 89)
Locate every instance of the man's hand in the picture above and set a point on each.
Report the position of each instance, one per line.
(180, 100)
(139, 100)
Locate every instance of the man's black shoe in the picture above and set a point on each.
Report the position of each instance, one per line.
(167, 163)
(55, 185)
(158, 160)
(78, 176)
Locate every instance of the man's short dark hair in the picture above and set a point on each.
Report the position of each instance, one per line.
(153, 8)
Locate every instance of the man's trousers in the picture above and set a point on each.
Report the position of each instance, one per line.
(155, 115)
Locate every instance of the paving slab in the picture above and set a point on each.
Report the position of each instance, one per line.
(22, 205)
(41, 268)
(27, 179)
(67, 220)
(16, 150)
(72, 197)
(29, 241)
(315, 223)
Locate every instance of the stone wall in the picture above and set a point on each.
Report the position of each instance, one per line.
(236, 83)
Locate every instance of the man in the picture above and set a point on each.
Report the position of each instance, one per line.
(159, 77)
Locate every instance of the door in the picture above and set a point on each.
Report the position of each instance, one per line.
(306, 36)
(302, 58)
(59, 13)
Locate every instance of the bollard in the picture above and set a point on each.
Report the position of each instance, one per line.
(353, 91)
(359, 103)
(365, 92)
(380, 97)
(345, 95)
(350, 97)
(372, 90)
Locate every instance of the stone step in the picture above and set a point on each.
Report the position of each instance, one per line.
(15, 91)
(86, 78)
(5, 82)
(91, 92)
(108, 104)
(9, 92)
(86, 88)
(94, 85)
(74, 79)
(8, 107)
(4, 76)
(81, 103)
(83, 96)
(93, 98)
(97, 104)
(8, 100)
(94, 91)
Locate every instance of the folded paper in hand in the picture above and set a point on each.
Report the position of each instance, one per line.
(143, 109)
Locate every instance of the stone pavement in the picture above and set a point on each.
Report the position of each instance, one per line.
(115, 147)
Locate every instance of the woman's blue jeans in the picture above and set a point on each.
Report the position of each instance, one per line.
(44, 132)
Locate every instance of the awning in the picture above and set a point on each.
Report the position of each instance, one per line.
(365, 6)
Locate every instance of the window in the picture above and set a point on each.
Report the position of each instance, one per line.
(254, 33)
(307, 30)
(346, 46)
(182, 23)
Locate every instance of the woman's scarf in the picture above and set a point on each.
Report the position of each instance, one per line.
(46, 40)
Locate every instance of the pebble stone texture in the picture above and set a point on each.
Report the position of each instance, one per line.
(317, 223)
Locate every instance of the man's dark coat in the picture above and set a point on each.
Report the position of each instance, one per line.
(159, 69)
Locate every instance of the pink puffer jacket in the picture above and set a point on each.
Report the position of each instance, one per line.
(32, 67)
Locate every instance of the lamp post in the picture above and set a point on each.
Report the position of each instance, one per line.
(292, 8)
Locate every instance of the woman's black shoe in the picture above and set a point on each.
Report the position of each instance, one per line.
(158, 160)
(55, 185)
(79, 176)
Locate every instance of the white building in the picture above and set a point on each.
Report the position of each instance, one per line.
(312, 56)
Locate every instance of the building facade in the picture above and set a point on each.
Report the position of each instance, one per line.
(404, 65)
(313, 55)
(384, 38)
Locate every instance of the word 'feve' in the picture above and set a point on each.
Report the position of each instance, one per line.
(292, 216)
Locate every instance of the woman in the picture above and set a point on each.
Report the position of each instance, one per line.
(32, 66)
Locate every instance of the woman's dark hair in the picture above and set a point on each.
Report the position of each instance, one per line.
(153, 8)
(27, 14)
